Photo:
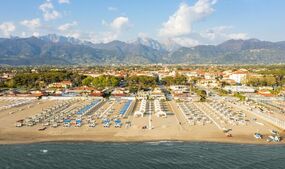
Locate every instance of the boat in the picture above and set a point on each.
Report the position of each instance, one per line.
(269, 139)
(274, 132)
(257, 135)
(46, 124)
(229, 135)
(20, 123)
(42, 128)
(277, 139)
(259, 123)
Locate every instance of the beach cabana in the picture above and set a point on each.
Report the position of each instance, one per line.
(161, 114)
(118, 123)
(78, 122)
(138, 114)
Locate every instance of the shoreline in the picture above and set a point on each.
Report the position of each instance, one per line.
(174, 127)
(98, 140)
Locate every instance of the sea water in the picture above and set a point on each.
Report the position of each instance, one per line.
(152, 155)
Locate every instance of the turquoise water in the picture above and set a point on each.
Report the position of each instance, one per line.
(152, 155)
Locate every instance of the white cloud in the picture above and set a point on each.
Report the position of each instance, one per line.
(186, 42)
(112, 8)
(68, 30)
(120, 23)
(74, 34)
(104, 23)
(23, 34)
(67, 26)
(102, 37)
(36, 34)
(116, 28)
(222, 33)
(32, 24)
(142, 35)
(63, 1)
(49, 13)
(7, 28)
(180, 23)
(179, 26)
(238, 36)
(106, 37)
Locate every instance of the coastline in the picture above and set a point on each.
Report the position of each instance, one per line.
(95, 139)
(174, 127)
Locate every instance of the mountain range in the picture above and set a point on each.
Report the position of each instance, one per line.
(60, 50)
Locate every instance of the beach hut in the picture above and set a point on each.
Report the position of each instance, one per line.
(55, 124)
(161, 114)
(78, 122)
(92, 123)
(106, 124)
(66, 122)
(118, 123)
(138, 114)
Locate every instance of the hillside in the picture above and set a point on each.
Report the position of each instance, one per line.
(58, 50)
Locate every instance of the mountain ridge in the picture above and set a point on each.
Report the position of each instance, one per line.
(54, 49)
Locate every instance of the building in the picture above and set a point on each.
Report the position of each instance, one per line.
(209, 83)
(85, 90)
(238, 76)
(63, 84)
(240, 89)
(157, 94)
(266, 93)
(120, 92)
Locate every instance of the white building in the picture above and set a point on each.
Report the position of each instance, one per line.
(242, 89)
(238, 76)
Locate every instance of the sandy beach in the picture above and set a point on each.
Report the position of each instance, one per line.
(174, 127)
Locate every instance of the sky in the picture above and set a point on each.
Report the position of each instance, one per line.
(186, 22)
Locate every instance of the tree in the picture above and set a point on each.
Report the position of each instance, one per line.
(39, 80)
(203, 95)
(277, 73)
(133, 89)
(141, 82)
(176, 80)
(265, 80)
(87, 81)
(101, 81)
(240, 96)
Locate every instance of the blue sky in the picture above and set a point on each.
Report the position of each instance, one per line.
(187, 22)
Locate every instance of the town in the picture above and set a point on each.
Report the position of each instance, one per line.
(217, 103)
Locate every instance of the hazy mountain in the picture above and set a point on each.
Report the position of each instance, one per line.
(60, 39)
(170, 45)
(154, 44)
(132, 52)
(234, 51)
(54, 49)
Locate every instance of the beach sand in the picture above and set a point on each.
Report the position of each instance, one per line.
(172, 128)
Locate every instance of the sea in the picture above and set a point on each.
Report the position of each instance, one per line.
(148, 155)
